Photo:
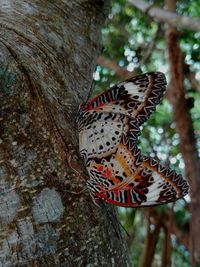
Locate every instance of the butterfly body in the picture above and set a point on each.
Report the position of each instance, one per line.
(108, 131)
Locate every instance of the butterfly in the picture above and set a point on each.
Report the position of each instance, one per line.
(109, 126)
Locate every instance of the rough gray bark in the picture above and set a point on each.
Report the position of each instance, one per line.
(48, 51)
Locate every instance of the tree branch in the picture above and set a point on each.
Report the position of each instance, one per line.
(191, 77)
(125, 74)
(185, 130)
(120, 71)
(150, 47)
(171, 18)
(151, 240)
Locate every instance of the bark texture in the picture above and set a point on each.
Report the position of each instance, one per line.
(151, 240)
(48, 51)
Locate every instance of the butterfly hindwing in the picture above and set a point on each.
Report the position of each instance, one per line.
(115, 169)
(151, 184)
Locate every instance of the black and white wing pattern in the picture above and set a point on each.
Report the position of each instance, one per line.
(118, 111)
(108, 131)
(148, 184)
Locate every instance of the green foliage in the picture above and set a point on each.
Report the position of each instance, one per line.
(180, 257)
(182, 218)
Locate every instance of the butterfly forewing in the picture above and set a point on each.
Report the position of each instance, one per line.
(136, 97)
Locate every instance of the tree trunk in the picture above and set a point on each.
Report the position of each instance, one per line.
(185, 130)
(48, 51)
(151, 240)
(166, 249)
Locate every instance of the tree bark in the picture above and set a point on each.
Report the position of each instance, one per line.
(48, 51)
(151, 240)
(167, 249)
(185, 130)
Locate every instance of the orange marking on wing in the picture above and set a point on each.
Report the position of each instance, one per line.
(100, 168)
(124, 184)
(110, 176)
(123, 161)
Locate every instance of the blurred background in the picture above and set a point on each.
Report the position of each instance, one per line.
(139, 37)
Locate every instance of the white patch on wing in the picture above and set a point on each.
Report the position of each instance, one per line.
(101, 139)
(114, 109)
(83, 141)
(150, 203)
(133, 90)
(155, 188)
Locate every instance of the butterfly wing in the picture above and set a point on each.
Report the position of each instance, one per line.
(122, 108)
(101, 137)
(108, 129)
(113, 170)
(136, 97)
(151, 184)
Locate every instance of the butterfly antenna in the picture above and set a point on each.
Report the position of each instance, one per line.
(91, 88)
(76, 193)
(90, 92)
(124, 228)
(112, 218)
